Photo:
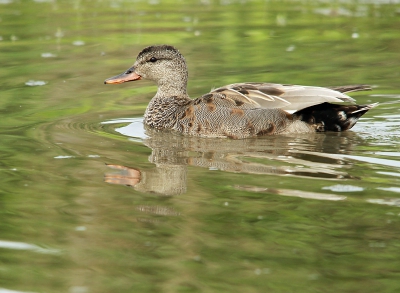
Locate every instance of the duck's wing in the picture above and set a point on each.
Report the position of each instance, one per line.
(290, 98)
(260, 95)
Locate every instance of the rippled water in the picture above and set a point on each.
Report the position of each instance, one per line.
(92, 201)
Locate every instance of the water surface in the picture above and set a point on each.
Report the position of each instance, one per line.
(91, 201)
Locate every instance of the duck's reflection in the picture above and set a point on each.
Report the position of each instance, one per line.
(294, 155)
(164, 179)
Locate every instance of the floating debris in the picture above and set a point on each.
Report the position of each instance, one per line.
(386, 201)
(26, 246)
(59, 33)
(3, 290)
(290, 48)
(35, 82)
(48, 55)
(281, 20)
(64, 157)
(392, 189)
(343, 188)
(78, 289)
(78, 43)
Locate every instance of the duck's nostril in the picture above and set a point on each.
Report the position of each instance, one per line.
(129, 71)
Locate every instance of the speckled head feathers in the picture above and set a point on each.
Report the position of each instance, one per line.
(165, 65)
(157, 49)
(160, 52)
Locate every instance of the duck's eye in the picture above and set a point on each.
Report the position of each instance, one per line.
(153, 59)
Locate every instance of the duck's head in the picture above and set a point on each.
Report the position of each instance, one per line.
(162, 64)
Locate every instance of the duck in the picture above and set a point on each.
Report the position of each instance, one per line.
(239, 110)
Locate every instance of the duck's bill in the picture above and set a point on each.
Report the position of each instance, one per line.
(124, 77)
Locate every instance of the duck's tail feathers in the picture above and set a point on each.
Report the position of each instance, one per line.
(333, 117)
(365, 108)
(351, 88)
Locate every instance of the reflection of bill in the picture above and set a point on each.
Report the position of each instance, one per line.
(163, 180)
(128, 176)
(133, 177)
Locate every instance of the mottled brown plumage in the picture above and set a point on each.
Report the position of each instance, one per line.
(238, 110)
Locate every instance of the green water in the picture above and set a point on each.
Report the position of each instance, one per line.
(87, 205)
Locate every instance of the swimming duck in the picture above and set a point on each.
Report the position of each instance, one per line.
(237, 110)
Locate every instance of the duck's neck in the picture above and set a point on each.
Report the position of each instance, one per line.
(170, 99)
(173, 86)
